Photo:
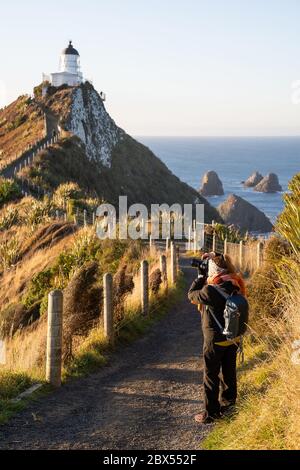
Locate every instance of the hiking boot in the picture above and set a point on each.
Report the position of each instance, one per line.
(227, 410)
(204, 418)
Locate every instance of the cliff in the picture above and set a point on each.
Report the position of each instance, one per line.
(98, 155)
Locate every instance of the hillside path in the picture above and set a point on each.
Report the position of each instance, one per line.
(145, 398)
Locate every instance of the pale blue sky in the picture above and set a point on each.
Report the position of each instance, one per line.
(168, 67)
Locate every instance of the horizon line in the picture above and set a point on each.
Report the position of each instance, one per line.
(218, 136)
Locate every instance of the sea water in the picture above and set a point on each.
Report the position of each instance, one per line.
(234, 159)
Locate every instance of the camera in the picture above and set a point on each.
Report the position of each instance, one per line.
(201, 265)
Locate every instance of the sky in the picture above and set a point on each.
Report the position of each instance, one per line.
(168, 67)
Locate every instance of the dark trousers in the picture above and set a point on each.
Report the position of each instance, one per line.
(219, 359)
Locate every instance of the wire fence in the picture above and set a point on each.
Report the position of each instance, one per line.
(151, 285)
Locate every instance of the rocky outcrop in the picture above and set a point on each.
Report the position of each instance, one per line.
(235, 210)
(211, 185)
(269, 184)
(253, 180)
(89, 120)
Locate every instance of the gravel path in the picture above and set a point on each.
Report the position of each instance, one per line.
(144, 399)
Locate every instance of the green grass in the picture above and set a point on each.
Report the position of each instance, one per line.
(11, 385)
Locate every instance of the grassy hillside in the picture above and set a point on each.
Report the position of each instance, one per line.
(21, 124)
(135, 172)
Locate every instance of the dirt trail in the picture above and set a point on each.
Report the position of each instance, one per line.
(144, 399)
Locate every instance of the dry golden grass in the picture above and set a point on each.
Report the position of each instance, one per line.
(13, 141)
(26, 351)
(14, 281)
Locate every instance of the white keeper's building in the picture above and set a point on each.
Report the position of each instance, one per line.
(69, 69)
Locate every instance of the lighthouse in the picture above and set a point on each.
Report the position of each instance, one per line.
(69, 68)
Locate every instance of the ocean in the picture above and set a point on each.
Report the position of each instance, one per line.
(234, 159)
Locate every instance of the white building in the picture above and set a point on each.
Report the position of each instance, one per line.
(69, 69)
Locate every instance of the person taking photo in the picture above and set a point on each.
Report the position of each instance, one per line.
(207, 291)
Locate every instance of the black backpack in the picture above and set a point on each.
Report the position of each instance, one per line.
(236, 314)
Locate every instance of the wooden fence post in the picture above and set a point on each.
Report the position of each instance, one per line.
(145, 287)
(241, 254)
(225, 246)
(190, 237)
(177, 257)
(84, 218)
(167, 244)
(163, 268)
(108, 315)
(195, 239)
(54, 338)
(150, 243)
(2, 352)
(259, 253)
(173, 263)
(214, 242)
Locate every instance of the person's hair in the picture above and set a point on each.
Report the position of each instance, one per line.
(225, 262)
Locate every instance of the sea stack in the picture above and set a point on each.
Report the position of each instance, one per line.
(253, 180)
(269, 184)
(211, 185)
(235, 210)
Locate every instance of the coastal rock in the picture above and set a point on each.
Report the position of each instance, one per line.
(211, 185)
(235, 210)
(253, 180)
(89, 120)
(269, 184)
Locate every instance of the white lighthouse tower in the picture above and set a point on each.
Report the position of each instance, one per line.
(69, 69)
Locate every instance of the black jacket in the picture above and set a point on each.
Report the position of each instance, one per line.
(206, 294)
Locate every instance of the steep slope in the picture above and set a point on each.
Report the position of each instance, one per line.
(21, 124)
(95, 153)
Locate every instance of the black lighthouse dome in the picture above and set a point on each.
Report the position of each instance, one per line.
(70, 50)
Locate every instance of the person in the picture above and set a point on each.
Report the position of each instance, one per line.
(219, 354)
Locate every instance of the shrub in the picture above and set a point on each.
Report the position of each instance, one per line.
(65, 192)
(230, 232)
(40, 285)
(10, 218)
(82, 304)
(9, 191)
(9, 251)
(38, 212)
(288, 223)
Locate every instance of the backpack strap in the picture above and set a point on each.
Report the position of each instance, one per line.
(216, 320)
(221, 291)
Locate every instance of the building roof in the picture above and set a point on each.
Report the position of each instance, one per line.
(70, 50)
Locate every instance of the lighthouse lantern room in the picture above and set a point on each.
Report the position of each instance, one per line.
(69, 69)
